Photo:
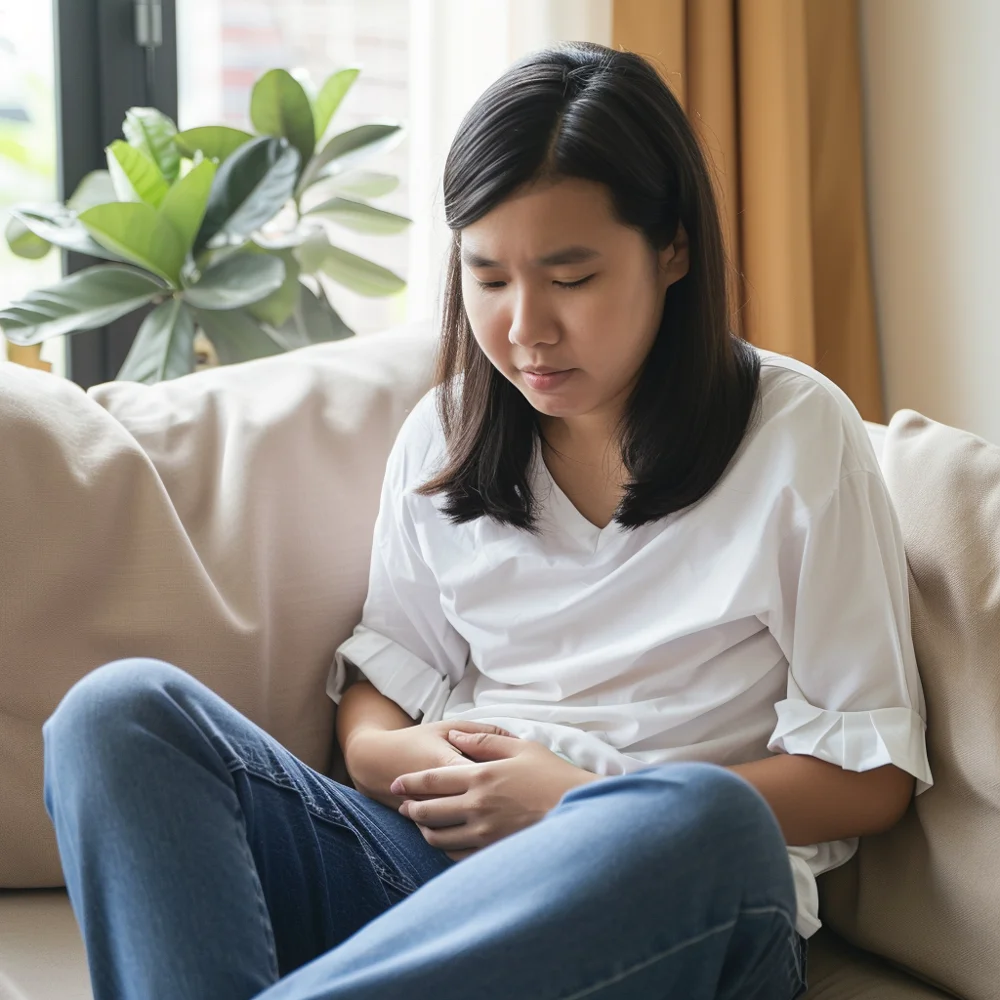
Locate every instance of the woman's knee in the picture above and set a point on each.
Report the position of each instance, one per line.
(717, 797)
(101, 703)
(704, 805)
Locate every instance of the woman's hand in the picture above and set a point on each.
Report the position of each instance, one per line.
(512, 785)
(375, 757)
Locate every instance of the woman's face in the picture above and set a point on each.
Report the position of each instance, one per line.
(563, 299)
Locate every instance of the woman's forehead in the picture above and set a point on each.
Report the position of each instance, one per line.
(563, 223)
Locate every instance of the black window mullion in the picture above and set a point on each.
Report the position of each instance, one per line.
(101, 72)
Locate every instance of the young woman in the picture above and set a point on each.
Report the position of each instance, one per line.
(634, 664)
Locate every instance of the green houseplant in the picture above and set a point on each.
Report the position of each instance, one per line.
(217, 229)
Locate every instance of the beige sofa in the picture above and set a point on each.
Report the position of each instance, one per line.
(222, 521)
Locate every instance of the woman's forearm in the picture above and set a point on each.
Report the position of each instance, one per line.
(815, 801)
(363, 706)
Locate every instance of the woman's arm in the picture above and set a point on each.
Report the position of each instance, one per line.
(362, 706)
(815, 801)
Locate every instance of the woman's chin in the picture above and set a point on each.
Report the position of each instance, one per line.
(552, 407)
(557, 401)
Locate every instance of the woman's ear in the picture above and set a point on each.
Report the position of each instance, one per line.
(674, 259)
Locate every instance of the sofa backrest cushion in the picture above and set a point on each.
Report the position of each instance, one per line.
(221, 521)
(927, 893)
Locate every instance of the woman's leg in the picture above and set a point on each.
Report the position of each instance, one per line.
(203, 859)
(669, 882)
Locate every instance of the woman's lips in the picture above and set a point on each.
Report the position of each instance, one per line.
(547, 382)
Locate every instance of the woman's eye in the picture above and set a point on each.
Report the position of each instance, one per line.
(491, 285)
(573, 284)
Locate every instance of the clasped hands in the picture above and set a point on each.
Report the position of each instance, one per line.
(509, 784)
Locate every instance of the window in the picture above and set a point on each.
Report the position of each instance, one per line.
(224, 46)
(69, 69)
(75, 65)
(28, 147)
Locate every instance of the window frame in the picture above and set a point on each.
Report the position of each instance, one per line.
(101, 72)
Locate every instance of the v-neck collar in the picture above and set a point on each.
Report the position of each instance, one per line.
(563, 513)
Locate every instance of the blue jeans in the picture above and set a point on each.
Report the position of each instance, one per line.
(205, 862)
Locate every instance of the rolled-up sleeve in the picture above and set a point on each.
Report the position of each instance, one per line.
(841, 616)
(404, 644)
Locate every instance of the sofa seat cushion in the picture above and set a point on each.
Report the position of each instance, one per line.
(41, 953)
(838, 971)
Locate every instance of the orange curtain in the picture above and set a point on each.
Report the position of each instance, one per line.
(774, 90)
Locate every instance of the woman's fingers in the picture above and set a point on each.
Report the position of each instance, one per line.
(454, 838)
(434, 782)
(435, 814)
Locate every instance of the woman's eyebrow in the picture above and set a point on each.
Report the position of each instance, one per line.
(568, 255)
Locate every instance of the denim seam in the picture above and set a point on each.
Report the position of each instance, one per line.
(391, 875)
(697, 939)
(263, 912)
(384, 873)
(799, 950)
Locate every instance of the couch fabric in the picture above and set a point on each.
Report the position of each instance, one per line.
(927, 893)
(222, 521)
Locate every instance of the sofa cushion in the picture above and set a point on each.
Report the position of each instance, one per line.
(221, 521)
(41, 951)
(837, 971)
(927, 893)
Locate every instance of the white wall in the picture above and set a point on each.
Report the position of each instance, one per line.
(932, 92)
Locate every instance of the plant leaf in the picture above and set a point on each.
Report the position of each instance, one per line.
(279, 305)
(313, 321)
(334, 88)
(164, 346)
(236, 336)
(62, 228)
(249, 189)
(237, 282)
(346, 149)
(322, 321)
(354, 272)
(279, 107)
(209, 258)
(83, 301)
(95, 189)
(184, 205)
(362, 183)
(152, 132)
(215, 142)
(360, 216)
(23, 242)
(139, 234)
(135, 176)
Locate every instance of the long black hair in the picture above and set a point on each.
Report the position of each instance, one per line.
(584, 110)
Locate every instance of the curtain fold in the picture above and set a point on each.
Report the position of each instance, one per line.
(773, 88)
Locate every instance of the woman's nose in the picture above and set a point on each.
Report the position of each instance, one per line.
(531, 323)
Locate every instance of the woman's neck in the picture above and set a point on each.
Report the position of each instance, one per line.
(585, 462)
(589, 440)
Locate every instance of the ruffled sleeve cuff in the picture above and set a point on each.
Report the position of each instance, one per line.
(856, 741)
(393, 670)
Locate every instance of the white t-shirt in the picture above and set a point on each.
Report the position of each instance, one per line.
(770, 617)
